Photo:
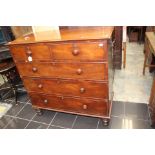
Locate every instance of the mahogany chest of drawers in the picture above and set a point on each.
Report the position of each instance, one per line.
(71, 72)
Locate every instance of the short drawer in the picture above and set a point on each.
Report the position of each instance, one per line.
(96, 71)
(81, 88)
(36, 51)
(76, 105)
(81, 51)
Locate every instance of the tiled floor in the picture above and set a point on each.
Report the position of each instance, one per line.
(129, 84)
(124, 116)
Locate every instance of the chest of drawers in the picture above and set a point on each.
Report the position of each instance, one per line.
(72, 73)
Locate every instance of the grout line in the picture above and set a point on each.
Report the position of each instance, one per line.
(74, 122)
(20, 109)
(22, 102)
(6, 93)
(13, 117)
(28, 102)
(58, 126)
(98, 123)
(10, 100)
(52, 120)
(8, 123)
(26, 119)
(35, 121)
(30, 121)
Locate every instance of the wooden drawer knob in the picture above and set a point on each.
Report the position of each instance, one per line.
(79, 71)
(82, 90)
(45, 101)
(40, 86)
(29, 53)
(84, 107)
(34, 69)
(75, 52)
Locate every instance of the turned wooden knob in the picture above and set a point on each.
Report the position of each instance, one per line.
(40, 86)
(34, 69)
(84, 107)
(82, 90)
(79, 71)
(29, 53)
(45, 101)
(75, 52)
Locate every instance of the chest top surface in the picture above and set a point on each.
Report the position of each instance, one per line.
(68, 33)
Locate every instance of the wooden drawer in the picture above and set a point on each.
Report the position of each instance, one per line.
(96, 71)
(76, 105)
(68, 87)
(79, 51)
(37, 52)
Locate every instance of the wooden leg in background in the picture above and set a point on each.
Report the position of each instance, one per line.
(145, 59)
(124, 54)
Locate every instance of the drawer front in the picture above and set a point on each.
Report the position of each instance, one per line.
(96, 71)
(85, 106)
(37, 52)
(67, 87)
(80, 51)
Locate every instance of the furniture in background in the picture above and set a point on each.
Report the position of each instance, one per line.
(152, 104)
(5, 56)
(8, 71)
(149, 48)
(150, 29)
(136, 33)
(117, 54)
(13, 82)
(72, 72)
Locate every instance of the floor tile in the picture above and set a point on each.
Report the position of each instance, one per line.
(137, 110)
(15, 109)
(22, 97)
(116, 123)
(8, 94)
(64, 120)
(17, 123)
(55, 127)
(46, 117)
(118, 109)
(129, 83)
(83, 122)
(131, 123)
(35, 125)
(4, 121)
(27, 112)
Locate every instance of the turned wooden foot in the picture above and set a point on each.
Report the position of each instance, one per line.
(105, 121)
(38, 111)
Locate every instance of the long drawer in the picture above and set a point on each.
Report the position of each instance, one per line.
(96, 71)
(76, 105)
(81, 88)
(92, 51)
